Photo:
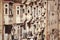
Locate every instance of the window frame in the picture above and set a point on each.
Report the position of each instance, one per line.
(6, 7)
(17, 9)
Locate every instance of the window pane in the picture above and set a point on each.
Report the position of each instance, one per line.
(17, 11)
(5, 10)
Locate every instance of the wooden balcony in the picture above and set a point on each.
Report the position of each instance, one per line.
(16, 1)
(8, 0)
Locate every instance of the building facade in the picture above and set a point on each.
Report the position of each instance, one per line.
(29, 19)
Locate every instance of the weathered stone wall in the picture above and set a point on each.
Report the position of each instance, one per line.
(53, 19)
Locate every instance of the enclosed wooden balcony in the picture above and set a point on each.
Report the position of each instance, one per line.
(8, 0)
(16, 1)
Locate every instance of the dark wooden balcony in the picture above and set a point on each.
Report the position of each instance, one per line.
(17, 1)
(8, 0)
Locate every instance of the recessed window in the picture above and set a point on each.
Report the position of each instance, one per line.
(17, 11)
(5, 10)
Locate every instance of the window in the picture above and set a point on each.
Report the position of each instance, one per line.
(5, 10)
(17, 10)
(28, 11)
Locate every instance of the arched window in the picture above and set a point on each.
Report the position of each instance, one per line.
(17, 10)
(6, 7)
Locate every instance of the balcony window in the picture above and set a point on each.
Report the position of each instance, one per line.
(28, 11)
